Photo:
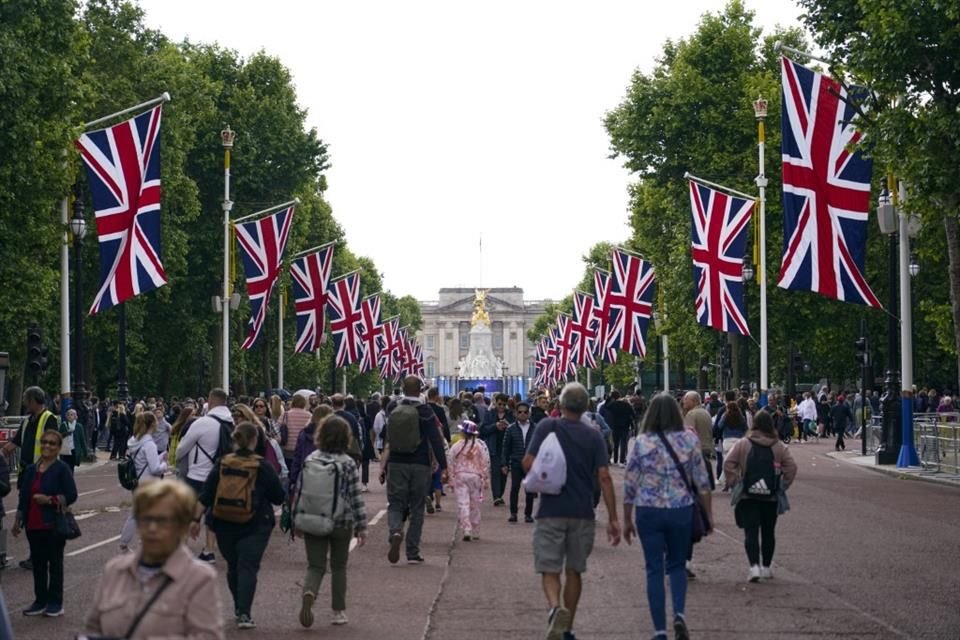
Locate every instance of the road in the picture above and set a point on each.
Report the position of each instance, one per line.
(860, 555)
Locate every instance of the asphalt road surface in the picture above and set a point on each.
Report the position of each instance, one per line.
(860, 555)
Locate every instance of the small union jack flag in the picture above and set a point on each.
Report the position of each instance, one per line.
(583, 330)
(343, 308)
(123, 170)
(551, 371)
(390, 355)
(371, 333)
(826, 190)
(311, 276)
(719, 241)
(417, 358)
(630, 299)
(263, 242)
(601, 311)
(540, 363)
(564, 345)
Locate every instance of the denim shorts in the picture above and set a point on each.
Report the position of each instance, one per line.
(562, 543)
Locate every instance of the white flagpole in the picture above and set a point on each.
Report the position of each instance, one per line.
(760, 111)
(280, 342)
(227, 137)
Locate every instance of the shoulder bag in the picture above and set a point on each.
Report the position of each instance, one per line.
(136, 621)
(66, 525)
(701, 521)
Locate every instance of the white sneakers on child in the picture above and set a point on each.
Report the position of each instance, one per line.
(766, 573)
(339, 618)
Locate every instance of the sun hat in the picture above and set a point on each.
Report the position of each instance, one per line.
(469, 427)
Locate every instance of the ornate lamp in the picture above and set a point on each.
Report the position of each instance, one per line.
(227, 137)
(760, 108)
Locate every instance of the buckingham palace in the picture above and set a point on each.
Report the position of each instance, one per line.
(447, 324)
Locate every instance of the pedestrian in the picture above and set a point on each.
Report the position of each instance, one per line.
(240, 513)
(469, 465)
(162, 433)
(332, 441)
(306, 442)
(492, 430)
(119, 431)
(664, 470)
(696, 419)
(732, 426)
(176, 595)
(147, 462)
(378, 424)
(757, 470)
(566, 522)
(841, 417)
(515, 442)
(178, 429)
(619, 414)
(27, 437)
(68, 429)
(293, 421)
(405, 466)
(45, 488)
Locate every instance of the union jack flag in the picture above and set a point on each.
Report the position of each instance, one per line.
(540, 363)
(390, 355)
(826, 190)
(311, 275)
(552, 355)
(403, 351)
(343, 308)
(564, 345)
(601, 311)
(417, 358)
(630, 301)
(719, 241)
(263, 242)
(583, 330)
(371, 333)
(123, 170)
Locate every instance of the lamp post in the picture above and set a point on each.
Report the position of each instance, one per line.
(746, 275)
(760, 112)
(78, 227)
(660, 321)
(227, 137)
(908, 452)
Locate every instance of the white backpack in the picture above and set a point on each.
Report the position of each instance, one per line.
(548, 473)
(320, 500)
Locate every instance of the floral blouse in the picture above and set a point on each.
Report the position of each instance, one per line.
(653, 480)
(463, 458)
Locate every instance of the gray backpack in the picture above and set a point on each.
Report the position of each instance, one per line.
(320, 500)
(403, 429)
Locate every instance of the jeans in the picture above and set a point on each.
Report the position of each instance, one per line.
(243, 552)
(46, 553)
(759, 518)
(516, 479)
(498, 479)
(620, 439)
(338, 543)
(840, 443)
(407, 486)
(665, 533)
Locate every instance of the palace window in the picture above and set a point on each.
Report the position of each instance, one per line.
(431, 368)
(430, 340)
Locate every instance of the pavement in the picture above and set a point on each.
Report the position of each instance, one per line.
(903, 473)
(860, 555)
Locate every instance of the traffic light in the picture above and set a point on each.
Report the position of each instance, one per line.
(726, 358)
(796, 361)
(862, 354)
(36, 356)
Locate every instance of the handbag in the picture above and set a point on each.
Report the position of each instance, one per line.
(66, 525)
(701, 521)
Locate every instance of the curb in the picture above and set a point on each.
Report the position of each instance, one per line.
(895, 473)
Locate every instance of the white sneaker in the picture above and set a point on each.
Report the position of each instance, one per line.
(754, 573)
(766, 573)
(339, 618)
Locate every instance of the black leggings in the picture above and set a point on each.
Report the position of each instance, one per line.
(620, 438)
(758, 519)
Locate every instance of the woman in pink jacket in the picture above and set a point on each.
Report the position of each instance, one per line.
(469, 469)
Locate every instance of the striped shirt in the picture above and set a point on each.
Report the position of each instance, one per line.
(295, 421)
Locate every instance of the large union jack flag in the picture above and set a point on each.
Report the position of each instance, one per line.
(123, 170)
(416, 362)
(630, 299)
(391, 354)
(263, 242)
(371, 333)
(311, 276)
(343, 308)
(719, 241)
(564, 344)
(601, 311)
(583, 329)
(826, 190)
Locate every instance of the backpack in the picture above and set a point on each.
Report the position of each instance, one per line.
(760, 477)
(403, 429)
(320, 500)
(238, 478)
(127, 472)
(548, 474)
(224, 444)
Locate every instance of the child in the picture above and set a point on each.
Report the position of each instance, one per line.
(469, 469)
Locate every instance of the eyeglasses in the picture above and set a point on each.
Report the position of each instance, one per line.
(522, 412)
(162, 522)
(49, 443)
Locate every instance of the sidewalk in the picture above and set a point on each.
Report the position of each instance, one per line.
(908, 473)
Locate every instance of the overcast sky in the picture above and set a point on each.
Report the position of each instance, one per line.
(449, 119)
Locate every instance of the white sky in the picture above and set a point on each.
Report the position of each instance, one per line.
(446, 119)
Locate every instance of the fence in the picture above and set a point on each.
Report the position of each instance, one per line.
(8, 428)
(936, 437)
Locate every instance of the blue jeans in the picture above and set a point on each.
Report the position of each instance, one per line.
(665, 532)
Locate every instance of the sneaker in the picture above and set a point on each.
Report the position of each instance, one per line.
(364, 489)
(207, 556)
(690, 574)
(53, 610)
(766, 573)
(417, 559)
(430, 508)
(558, 623)
(393, 555)
(438, 507)
(26, 564)
(474, 536)
(244, 621)
(306, 609)
(680, 631)
(498, 502)
(36, 609)
(339, 618)
(512, 518)
(754, 573)
(466, 537)
(124, 549)
(528, 519)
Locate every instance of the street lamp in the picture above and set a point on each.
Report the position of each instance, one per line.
(760, 113)
(914, 267)
(227, 137)
(78, 227)
(747, 274)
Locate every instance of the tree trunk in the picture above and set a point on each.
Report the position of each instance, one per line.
(953, 253)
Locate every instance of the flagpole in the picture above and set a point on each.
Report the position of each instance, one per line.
(226, 137)
(716, 185)
(65, 299)
(778, 46)
(280, 340)
(313, 249)
(760, 111)
(256, 214)
(163, 97)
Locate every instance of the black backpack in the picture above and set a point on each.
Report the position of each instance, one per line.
(760, 477)
(127, 472)
(224, 444)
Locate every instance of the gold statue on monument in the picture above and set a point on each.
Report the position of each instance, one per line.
(479, 308)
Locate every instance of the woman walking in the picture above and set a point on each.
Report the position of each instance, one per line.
(46, 487)
(469, 470)
(332, 441)
(148, 463)
(242, 531)
(665, 467)
(762, 467)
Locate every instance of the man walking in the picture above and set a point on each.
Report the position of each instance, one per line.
(491, 431)
(515, 441)
(411, 432)
(842, 417)
(621, 422)
(563, 537)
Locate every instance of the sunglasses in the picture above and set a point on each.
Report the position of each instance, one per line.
(522, 411)
(50, 443)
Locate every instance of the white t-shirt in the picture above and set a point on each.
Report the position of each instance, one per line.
(203, 433)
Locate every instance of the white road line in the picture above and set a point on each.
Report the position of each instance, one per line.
(93, 546)
(84, 516)
(353, 544)
(377, 517)
(87, 493)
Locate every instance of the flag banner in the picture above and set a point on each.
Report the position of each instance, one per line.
(630, 299)
(391, 353)
(564, 345)
(406, 355)
(719, 240)
(583, 329)
(311, 276)
(343, 309)
(540, 363)
(826, 189)
(601, 310)
(371, 333)
(418, 368)
(123, 171)
(262, 243)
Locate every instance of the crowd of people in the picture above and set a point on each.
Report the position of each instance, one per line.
(215, 469)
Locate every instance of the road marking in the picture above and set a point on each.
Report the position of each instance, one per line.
(377, 517)
(85, 515)
(353, 544)
(88, 493)
(93, 546)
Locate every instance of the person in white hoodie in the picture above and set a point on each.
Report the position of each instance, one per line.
(199, 446)
(142, 448)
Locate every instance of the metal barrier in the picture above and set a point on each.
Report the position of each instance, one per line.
(937, 438)
(8, 428)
